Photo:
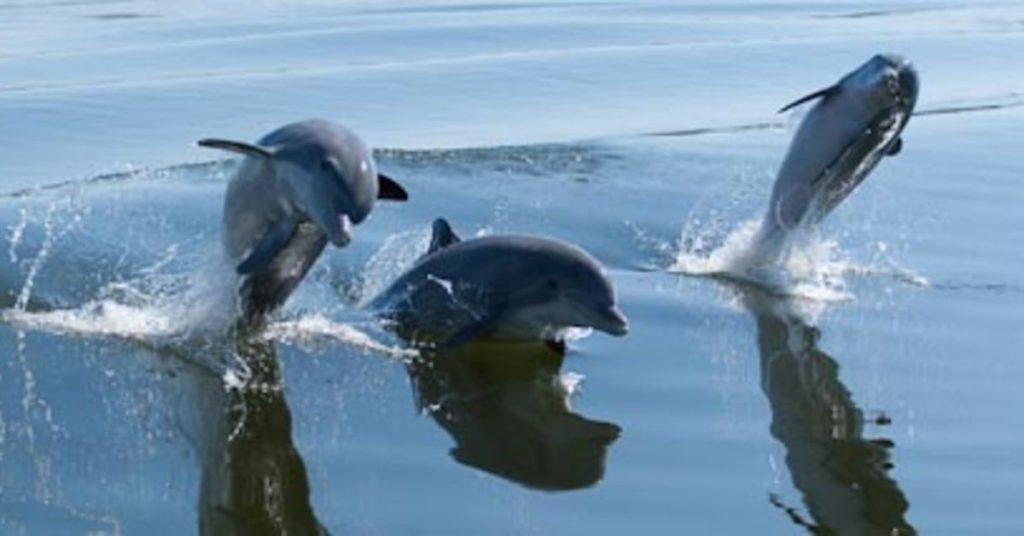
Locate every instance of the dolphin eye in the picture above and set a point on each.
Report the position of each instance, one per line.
(551, 284)
(326, 166)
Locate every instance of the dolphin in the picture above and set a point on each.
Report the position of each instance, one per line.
(518, 288)
(853, 124)
(301, 186)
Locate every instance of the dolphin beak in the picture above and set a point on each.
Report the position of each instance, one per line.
(908, 83)
(611, 321)
(343, 234)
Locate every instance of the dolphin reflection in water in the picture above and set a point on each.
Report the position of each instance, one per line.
(842, 475)
(253, 480)
(507, 409)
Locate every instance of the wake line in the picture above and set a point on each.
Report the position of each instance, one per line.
(581, 152)
(305, 331)
(156, 331)
(143, 174)
(532, 159)
(1012, 100)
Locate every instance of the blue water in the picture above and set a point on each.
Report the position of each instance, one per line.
(878, 392)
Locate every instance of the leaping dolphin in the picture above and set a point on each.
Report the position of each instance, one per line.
(301, 186)
(852, 126)
(504, 287)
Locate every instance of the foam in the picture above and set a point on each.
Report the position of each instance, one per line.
(804, 264)
(310, 329)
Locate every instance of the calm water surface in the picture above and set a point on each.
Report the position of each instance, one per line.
(879, 394)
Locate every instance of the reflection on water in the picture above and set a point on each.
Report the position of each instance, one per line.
(253, 480)
(842, 475)
(507, 408)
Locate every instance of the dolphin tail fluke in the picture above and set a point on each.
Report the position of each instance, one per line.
(442, 236)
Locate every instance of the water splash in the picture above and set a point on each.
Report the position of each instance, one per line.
(185, 295)
(30, 402)
(154, 304)
(53, 232)
(806, 265)
(34, 408)
(395, 256)
(17, 233)
(573, 333)
(309, 330)
(570, 383)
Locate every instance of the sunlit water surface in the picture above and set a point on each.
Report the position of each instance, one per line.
(871, 387)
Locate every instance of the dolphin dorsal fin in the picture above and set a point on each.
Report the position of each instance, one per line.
(442, 237)
(239, 147)
(820, 94)
(389, 189)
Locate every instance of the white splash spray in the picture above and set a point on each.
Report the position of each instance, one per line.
(153, 304)
(312, 329)
(398, 253)
(806, 266)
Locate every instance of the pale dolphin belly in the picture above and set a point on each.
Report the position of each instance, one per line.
(266, 290)
(256, 199)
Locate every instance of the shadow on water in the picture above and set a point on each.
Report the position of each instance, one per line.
(253, 480)
(507, 408)
(842, 475)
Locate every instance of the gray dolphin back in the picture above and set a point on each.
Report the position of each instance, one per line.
(508, 287)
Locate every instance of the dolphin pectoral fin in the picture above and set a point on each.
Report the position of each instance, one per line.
(895, 147)
(271, 243)
(442, 236)
(390, 190)
(821, 93)
(239, 147)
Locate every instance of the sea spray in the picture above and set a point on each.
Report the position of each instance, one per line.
(306, 331)
(805, 265)
(398, 252)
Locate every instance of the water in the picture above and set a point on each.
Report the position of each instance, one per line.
(873, 385)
